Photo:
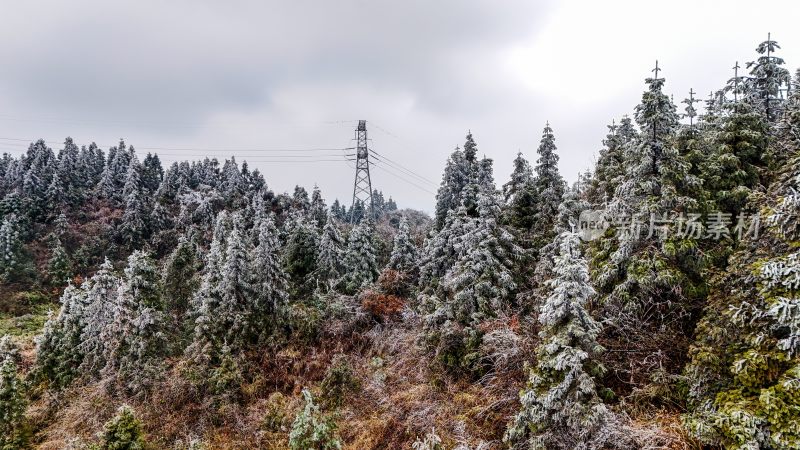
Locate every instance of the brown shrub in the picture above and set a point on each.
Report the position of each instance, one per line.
(382, 307)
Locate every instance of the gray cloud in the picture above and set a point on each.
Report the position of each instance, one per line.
(254, 74)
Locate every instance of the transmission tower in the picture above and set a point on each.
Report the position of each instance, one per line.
(362, 186)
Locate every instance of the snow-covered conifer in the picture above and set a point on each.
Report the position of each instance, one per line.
(133, 228)
(268, 280)
(404, 252)
(360, 266)
(329, 259)
(560, 406)
(98, 315)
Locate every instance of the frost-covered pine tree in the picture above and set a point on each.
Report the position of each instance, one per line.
(610, 169)
(11, 256)
(521, 176)
(136, 337)
(180, 277)
(269, 281)
(58, 348)
(744, 374)
(442, 249)
(235, 316)
(300, 252)
(736, 164)
(360, 265)
(134, 226)
(568, 214)
(548, 187)
(14, 433)
(311, 429)
(460, 170)
(648, 278)
(98, 315)
(59, 266)
(318, 209)
(481, 284)
(206, 301)
(329, 259)
(767, 78)
(404, 252)
(560, 406)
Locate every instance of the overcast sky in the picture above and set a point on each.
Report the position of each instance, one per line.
(241, 77)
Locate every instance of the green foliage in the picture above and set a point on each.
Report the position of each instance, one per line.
(312, 430)
(339, 381)
(14, 431)
(123, 432)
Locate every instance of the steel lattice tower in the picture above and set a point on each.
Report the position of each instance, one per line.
(362, 186)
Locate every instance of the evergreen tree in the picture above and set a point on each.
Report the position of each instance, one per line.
(329, 259)
(180, 275)
(311, 429)
(269, 281)
(360, 266)
(59, 267)
(560, 406)
(481, 284)
(14, 432)
(207, 300)
(521, 177)
(734, 168)
(136, 335)
(123, 431)
(549, 187)
(767, 77)
(133, 228)
(300, 253)
(11, 250)
(152, 173)
(648, 278)
(404, 252)
(745, 363)
(58, 348)
(98, 315)
(460, 170)
(318, 209)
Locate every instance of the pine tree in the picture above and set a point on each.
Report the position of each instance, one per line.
(11, 250)
(206, 342)
(269, 282)
(520, 196)
(404, 252)
(134, 227)
(180, 275)
(300, 253)
(481, 284)
(609, 170)
(460, 170)
(548, 187)
(311, 429)
(58, 348)
(136, 335)
(123, 431)
(318, 210)
(521, 176)
(649, 282)
(14, 432)
(98, 315)
(767, 77)
(59, 267)
(560, 406)
(329, 259)
(236, 313)
(734, 168)
(360, 266)
(745, 363)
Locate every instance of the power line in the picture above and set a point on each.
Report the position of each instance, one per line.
(386, 169)
(402, 168)
(194, 149)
